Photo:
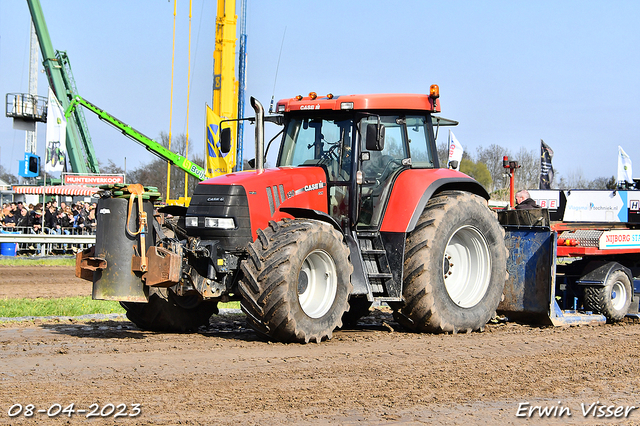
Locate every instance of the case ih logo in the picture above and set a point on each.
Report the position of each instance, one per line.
(92, 179)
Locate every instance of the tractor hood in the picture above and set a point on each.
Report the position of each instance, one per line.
(266, 193)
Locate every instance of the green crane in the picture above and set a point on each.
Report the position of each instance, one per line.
(58, 69)
(151, 145)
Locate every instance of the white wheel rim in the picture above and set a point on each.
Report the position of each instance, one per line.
(317, 284)
(467, 266)
(618, 295)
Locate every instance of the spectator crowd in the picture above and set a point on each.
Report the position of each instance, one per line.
(77, 218)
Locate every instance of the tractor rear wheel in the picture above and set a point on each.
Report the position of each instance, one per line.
(297, 281)
(455, 266)
(612, 300)
(168, 312)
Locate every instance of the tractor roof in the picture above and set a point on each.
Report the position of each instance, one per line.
(400, 101)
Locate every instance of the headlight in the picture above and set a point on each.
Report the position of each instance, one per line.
(191, 221)
(218, 222)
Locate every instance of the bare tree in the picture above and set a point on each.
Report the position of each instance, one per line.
(603, 183)
(574, 180)
(492, 158)
(110, 168)
(7, 176)
(528, 175)
(443, 153)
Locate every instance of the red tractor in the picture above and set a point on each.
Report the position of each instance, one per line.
(356, 210)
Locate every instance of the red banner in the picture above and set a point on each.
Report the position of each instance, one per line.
(71, 179)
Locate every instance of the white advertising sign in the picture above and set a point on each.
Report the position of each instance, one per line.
(619, 240)
(596, 206)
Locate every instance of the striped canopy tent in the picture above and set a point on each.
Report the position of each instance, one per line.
(57, 190)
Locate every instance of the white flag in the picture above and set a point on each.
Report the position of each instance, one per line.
(56, 153)
(624, 166)
(455, 150)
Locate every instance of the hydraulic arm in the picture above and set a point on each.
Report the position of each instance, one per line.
(151, 145)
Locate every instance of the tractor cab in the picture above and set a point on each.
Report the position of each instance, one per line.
(361, 152)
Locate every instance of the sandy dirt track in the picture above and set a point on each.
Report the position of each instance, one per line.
(376, 374)
(41, 281)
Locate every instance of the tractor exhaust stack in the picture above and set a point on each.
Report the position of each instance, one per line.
(257, 106)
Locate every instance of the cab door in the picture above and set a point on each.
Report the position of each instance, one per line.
(379, 168)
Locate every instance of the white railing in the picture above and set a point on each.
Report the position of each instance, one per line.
(61, 241)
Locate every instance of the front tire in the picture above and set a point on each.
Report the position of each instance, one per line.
(612, 300)
(167, 312)
(296, 281)
(455, 266)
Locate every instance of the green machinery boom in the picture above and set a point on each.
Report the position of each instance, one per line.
(151, 145)
(58, 69)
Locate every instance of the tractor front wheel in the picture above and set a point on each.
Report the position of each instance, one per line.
(168, 312)
(296, 281)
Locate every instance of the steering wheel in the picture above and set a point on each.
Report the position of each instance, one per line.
(382, 176)
(332, 153)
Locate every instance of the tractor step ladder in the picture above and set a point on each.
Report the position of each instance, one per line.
(376, 266)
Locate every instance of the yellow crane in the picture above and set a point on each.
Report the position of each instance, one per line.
(225, 86)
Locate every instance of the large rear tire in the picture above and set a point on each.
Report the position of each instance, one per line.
(168, 312)
(455, 266)
(296, 281)
(612, 300)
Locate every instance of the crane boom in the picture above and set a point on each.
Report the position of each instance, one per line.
(79, 146)
(152, 146)
(225, 86)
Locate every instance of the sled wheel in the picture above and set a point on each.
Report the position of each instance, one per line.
(612, 300)
(296, 281)
(455, 266)
(166, 312)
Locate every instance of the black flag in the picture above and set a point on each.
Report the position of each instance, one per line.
(546, 169)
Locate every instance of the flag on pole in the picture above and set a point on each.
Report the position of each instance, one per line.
(56, 152)
(624, 166)
(455, 151)
(546, 168)
(218, 163)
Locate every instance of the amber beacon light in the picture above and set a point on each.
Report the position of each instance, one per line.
(434, 91)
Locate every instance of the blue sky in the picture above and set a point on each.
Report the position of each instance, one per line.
(511, 72)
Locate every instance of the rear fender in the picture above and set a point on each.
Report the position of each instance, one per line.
(412, 190)
(599, 272)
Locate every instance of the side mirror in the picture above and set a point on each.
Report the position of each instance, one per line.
(375, 137)
(225, 140)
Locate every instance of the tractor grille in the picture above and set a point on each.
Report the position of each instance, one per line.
(221, 201)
